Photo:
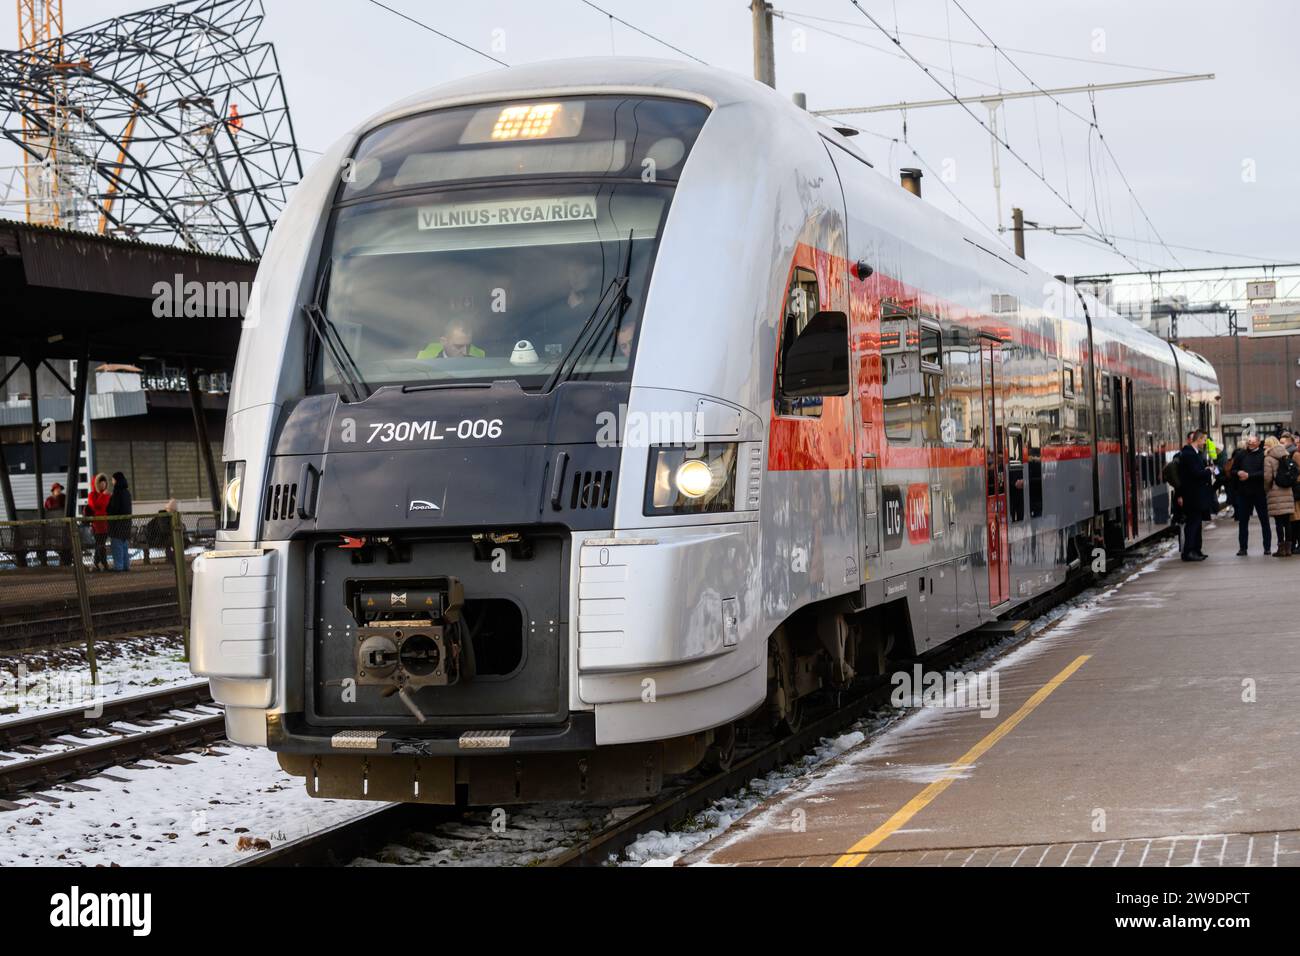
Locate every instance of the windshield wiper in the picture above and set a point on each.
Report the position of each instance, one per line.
(593, 324)
(589, 334)
(329, 336)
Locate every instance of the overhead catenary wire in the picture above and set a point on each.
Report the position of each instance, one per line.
(1093, 123)
(645, 33)
(894, 141)
(797, 19)
(998, 138)
(1091, 61)
(445, 36)
(938, 177)
(1257, 260)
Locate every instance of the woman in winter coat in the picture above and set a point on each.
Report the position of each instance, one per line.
(1281, 503)
(97, 506)
(1295, 515)
(120, 531)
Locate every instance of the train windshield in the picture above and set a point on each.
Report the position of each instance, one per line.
(536, 278)
(492, 285)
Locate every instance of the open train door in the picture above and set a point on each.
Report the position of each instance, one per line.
(995, 465)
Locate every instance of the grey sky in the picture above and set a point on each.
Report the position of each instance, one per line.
(1186, 149)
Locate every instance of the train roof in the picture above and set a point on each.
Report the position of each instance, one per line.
(1195, 364)
(646, 75)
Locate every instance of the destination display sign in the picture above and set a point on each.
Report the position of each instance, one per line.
(509, 212)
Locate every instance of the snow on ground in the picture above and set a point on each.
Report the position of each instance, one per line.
(170, 815)
(59, 678)
(195, 814)
(872, 736)
(658, 848)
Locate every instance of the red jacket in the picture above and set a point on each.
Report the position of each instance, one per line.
(97, 504)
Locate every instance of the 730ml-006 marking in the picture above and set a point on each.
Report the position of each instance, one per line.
(388, 432)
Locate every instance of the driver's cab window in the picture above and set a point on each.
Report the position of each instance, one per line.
(802, 302)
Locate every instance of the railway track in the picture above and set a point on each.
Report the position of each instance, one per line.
(368, 834)
(371, 832)
(28, 760)
(62, 625)
(675, 807)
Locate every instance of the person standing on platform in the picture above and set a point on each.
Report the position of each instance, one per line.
(56, 502)
(119, 531)
(55, 505)
(1230, 482)
(1295, 513)
(1194, 480)
(1251, 499)
(97, 506)
(1279, 480)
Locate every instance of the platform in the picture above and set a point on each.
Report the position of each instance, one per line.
(1155, 725)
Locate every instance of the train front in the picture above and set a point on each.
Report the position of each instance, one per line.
(415, 453)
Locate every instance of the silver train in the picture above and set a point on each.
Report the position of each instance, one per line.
(585, 409)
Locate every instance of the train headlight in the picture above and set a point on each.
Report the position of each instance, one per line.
(232, 497)
(694, 479)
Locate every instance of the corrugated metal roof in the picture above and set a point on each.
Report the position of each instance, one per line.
(123, 241)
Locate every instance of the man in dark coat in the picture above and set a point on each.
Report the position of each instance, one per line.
(119, 531)
(1194, 494)
(1251, 498)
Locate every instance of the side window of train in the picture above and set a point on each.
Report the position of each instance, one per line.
(1067, 380)
(1016, 467)
(931, 347)
(1083, 418)
(899, 371)
(1105, 408)
(1035, 472)
(801, 304)
(961, 412)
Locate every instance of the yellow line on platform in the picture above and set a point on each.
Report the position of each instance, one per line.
(858, 852)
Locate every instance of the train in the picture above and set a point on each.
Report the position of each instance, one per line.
(586, 411)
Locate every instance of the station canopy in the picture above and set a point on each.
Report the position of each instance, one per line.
(67, 294)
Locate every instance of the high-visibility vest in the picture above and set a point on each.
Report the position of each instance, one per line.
(434, 350)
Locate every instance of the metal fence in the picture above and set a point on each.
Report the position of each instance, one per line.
(72, 579)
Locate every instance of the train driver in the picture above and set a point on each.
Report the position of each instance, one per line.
(625, 336)
(458, 342)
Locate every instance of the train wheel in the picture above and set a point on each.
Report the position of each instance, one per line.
(784, 706)
(722, 752)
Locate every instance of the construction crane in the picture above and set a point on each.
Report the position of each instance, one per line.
(51, 165)
(141, 91)
(40, 27)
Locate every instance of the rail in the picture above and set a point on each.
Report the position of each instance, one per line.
(78, 579)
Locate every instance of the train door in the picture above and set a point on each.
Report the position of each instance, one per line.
(995, 467)
(868, 461)
(870, 524)
(1159, 490)
(1128, 454)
